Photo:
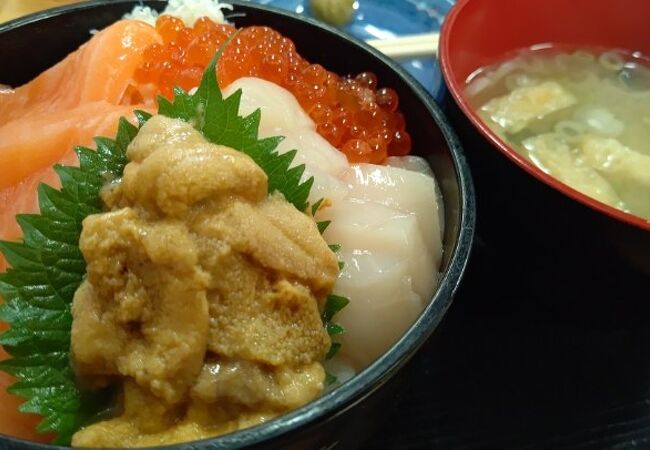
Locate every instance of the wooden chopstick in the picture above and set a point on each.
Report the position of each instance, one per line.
(409, 46)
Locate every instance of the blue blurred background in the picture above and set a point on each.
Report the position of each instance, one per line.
(381, 19)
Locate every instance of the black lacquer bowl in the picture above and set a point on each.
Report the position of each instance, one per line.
(346, 416)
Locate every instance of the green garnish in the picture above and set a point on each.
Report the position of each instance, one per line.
(335, 247)
(330, 379)
(46, 270)
(316, 206)
(333, 305)
(334, 328)
(322, 226)
(47, 267)
(334, 349)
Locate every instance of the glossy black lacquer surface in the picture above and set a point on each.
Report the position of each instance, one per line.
(344, 418)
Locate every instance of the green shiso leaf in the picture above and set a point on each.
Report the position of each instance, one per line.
(322, 226)
(333, 305)
(316, 206)
(330, 379)
(334, 349)
(47, 267)
(334, 329)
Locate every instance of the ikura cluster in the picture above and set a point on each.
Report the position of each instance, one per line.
(352, 113)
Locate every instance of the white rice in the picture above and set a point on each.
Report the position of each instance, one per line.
(186, 10)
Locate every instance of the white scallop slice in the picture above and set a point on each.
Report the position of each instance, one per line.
(385, 219)
(280, 109)
(282, 115)
(410, 192)
(387, 276)
(315, 153)
(410, 162)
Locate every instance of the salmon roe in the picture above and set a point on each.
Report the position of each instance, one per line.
(352, 113)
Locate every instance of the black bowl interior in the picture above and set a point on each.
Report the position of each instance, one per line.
(344, 416)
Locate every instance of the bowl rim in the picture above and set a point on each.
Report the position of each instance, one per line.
(458, 94)
(366, 382)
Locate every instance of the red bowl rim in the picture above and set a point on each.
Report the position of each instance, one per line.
(523, 163)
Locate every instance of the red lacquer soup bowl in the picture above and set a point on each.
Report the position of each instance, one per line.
(478, 33)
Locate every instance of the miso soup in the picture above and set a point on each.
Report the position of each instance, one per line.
(582, 116)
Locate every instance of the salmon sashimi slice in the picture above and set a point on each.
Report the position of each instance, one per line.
(22, 198)
(100, 70)
(79, 98)
(30, 144)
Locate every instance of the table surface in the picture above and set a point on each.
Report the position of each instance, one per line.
(531, 366)
(10, 9)
(550, 353)
(547, 343)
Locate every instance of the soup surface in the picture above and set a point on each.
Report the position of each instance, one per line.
(582, 116)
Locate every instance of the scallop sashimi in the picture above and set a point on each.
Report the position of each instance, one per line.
(382, 216)
(283, 116)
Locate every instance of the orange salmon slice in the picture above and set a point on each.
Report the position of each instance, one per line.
(100, 70)
(29, 145)
(79, 98)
